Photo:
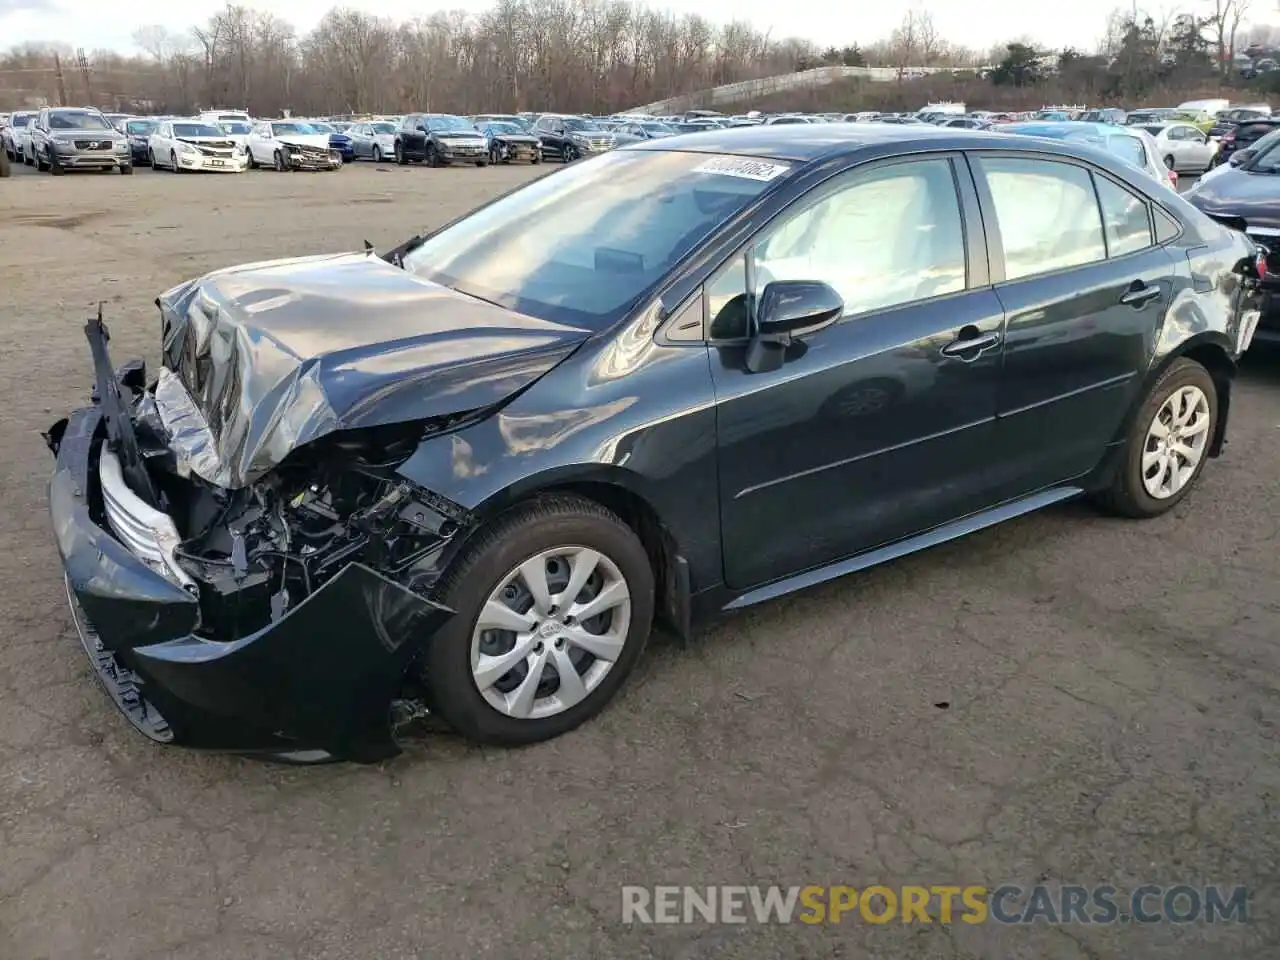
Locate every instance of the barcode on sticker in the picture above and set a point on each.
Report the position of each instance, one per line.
(743, 167)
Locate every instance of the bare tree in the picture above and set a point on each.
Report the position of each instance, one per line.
(904, 42)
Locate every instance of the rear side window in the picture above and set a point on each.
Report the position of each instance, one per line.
(1125, 219)
(1047, 213)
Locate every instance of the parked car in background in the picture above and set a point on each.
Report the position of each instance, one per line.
(965, 123)
(645, 129)
(1244, 135)
(9, 132)
(473, 471)
(1131, 144)
(184, 146)
(510, 143)
(117, 119)
(567, 138)
(1150, 115)
(139, 131)
(76, 138)
(290, 145)
(1183, 147)
(1110, 115)
(223, 116)
(523, 122)
(1227, 120)
(22, 142)
(1245, 194)
(237, 130)
(339, 141)
(374, 140)
(439, 139)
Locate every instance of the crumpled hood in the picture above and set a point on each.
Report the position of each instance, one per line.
(262, 359)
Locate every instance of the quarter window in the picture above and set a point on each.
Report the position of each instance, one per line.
(1047, 212)
(1124, 218)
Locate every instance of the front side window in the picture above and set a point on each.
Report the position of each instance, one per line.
(1124, 217)
(879, 238)
(884, 237)
(1047, 213)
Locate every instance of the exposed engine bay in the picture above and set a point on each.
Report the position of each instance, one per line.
(255, 552)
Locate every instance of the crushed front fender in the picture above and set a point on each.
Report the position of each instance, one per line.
(318, 681)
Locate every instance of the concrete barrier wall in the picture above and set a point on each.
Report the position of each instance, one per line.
(747, 90)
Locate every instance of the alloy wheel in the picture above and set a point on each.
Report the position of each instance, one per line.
(1175, 442)
(550, 631)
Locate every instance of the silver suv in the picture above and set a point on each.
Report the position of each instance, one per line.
(78, 138)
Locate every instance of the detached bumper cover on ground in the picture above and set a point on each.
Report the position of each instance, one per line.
(320, 678)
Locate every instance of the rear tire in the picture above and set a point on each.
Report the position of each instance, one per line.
(1153, 452)
(538, 528)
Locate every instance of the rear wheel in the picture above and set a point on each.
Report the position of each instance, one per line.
(1168, 443)
(554, 605)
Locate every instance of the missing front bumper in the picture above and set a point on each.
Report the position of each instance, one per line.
(322, 677)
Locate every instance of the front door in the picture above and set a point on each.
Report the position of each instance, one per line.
(878, 426)
(1085, 288)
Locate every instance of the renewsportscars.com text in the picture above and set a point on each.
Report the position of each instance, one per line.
(1007, 904)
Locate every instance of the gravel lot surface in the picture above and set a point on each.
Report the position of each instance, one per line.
(1065, 699)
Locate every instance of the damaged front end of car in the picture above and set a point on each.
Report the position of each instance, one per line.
(282, 614)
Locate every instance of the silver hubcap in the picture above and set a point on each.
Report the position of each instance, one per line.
(550, 632)
(1176, 442)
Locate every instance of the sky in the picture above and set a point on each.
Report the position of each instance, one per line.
(95, 24)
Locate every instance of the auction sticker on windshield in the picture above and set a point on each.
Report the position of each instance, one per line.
(743, 167)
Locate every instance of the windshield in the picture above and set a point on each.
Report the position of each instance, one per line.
(236, 127)
(1266, 157)
(442, 124)
(285, 128)
(1128, 148)
(383, 127)
(503, 128)
(78, 121)
(196, 130)
(609, 229)
(579, 124)
(322, 127)
(658, 128)
(18, 119)
(140, 128)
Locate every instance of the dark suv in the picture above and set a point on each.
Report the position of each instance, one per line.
(567, 138)
(65, 139)
(440, 139)
(1243, 136)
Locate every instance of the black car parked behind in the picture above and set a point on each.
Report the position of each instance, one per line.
(470, 473)
(1244, 135)
(439, 139)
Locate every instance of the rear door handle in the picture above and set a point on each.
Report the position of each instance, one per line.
(970, 344)
(1139, 296)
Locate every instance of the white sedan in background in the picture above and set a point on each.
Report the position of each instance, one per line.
(291, 145)
(182, 145)
(1183, 147)
(237, 131)
(22, 142)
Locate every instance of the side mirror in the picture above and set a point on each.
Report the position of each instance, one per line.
(1239, 157)
(1167, 162)
(789, 309)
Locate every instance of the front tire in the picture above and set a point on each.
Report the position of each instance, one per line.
(280, 164)
(1167, 445)
(173, 162)
(400, 157)
(554, 585)
(377, 154)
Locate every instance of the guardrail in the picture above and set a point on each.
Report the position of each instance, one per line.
(751, 89)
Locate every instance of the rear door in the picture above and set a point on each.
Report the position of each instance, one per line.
(880, 425)
(1085, 288)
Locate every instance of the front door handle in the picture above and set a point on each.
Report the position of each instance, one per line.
(970, 344)
(1140, 295)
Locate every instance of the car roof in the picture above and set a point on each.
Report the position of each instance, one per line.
(803, 142)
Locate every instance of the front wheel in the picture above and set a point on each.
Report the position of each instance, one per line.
(432, 155)
(281, 165)
(400, 156)
(1168, 443)
(173, 162)
(554, 605)
(377, 154)
(570, 153)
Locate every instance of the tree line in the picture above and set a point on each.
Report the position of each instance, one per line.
(574, 55)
